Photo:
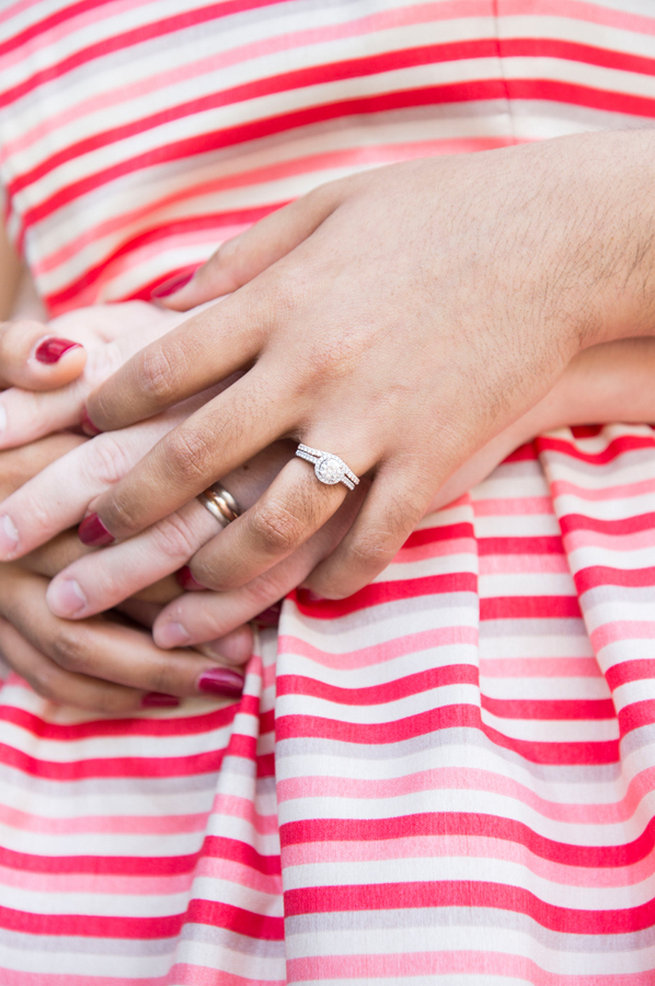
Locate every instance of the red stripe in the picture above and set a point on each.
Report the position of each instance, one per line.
(391, 691)
(601, 575)
(620, 674)
(520, 546)
(530, 608)
(448, 823)
(468, 894)
(432, 535)
(385, 592)
(459, 716)
(572, 51)
(138, 866)
(217, 915)
(242, 746)
(624, 525)
(636, 715)
(617, 447)
(187, 726)
(540, 709)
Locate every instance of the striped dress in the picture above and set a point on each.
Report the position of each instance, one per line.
(448, 778)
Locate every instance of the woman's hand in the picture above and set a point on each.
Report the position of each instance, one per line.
(51, 368)
(105, 664)
(401, 319)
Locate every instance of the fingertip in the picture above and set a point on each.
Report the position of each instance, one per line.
(171, 286)
(54, 362)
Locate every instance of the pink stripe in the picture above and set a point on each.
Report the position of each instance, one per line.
(239, 874)
(232, 806)
(576, 10)
(116, 824)
(179, 973)
(458, 779)
(386, 650)
(477, 846)
(479, 963)
(110, 885)
(196, 975)
(563, 487)
(622, 631)
(540, 667)
(613, 542)
(515, 564)
(508, 506)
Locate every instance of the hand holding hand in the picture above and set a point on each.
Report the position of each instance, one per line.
(400, 319)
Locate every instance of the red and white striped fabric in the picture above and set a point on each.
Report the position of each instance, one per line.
(449, 777)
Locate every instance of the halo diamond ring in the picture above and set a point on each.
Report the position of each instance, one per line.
(329, 468)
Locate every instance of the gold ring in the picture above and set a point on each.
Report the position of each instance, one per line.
(220, 503)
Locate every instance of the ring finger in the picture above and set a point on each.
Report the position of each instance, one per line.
(289, 512)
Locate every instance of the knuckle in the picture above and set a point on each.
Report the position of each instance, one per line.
(373, 549)
(70, 650)
(275, 528)
(187, 454)
(174, 538)
(158, 371)
(44, 679)
(104, 460)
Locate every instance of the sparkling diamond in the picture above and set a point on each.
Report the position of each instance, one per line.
(329, 469)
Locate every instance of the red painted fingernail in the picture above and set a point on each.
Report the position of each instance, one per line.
(171, 285)
(93, 532)
(269, 617)
(187, 581)
(159, 700)
(51, 350)
(220, 681)
(87, 424)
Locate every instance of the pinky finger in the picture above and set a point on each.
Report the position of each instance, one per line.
(242, 258)
(66, 687)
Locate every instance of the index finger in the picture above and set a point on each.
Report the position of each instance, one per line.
(224, 433)
(203, 350)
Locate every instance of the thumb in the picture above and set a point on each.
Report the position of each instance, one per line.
(33, 358)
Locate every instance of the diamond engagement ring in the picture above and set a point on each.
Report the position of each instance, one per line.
(220, 503)
(329, 468)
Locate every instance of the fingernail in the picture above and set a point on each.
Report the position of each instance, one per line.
(172, 635)
(93, 532)
(87, 424)
(269, 617)
(186, 580)
(8, 535)
(51, 350)
(171, 285)
(65, 597)
(159, 700)
(220, 681)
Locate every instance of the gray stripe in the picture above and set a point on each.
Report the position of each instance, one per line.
(204, 934)
(480, 920)
(467, 738)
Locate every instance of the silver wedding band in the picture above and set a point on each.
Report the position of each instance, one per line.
(220, 503)
(328, 468)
